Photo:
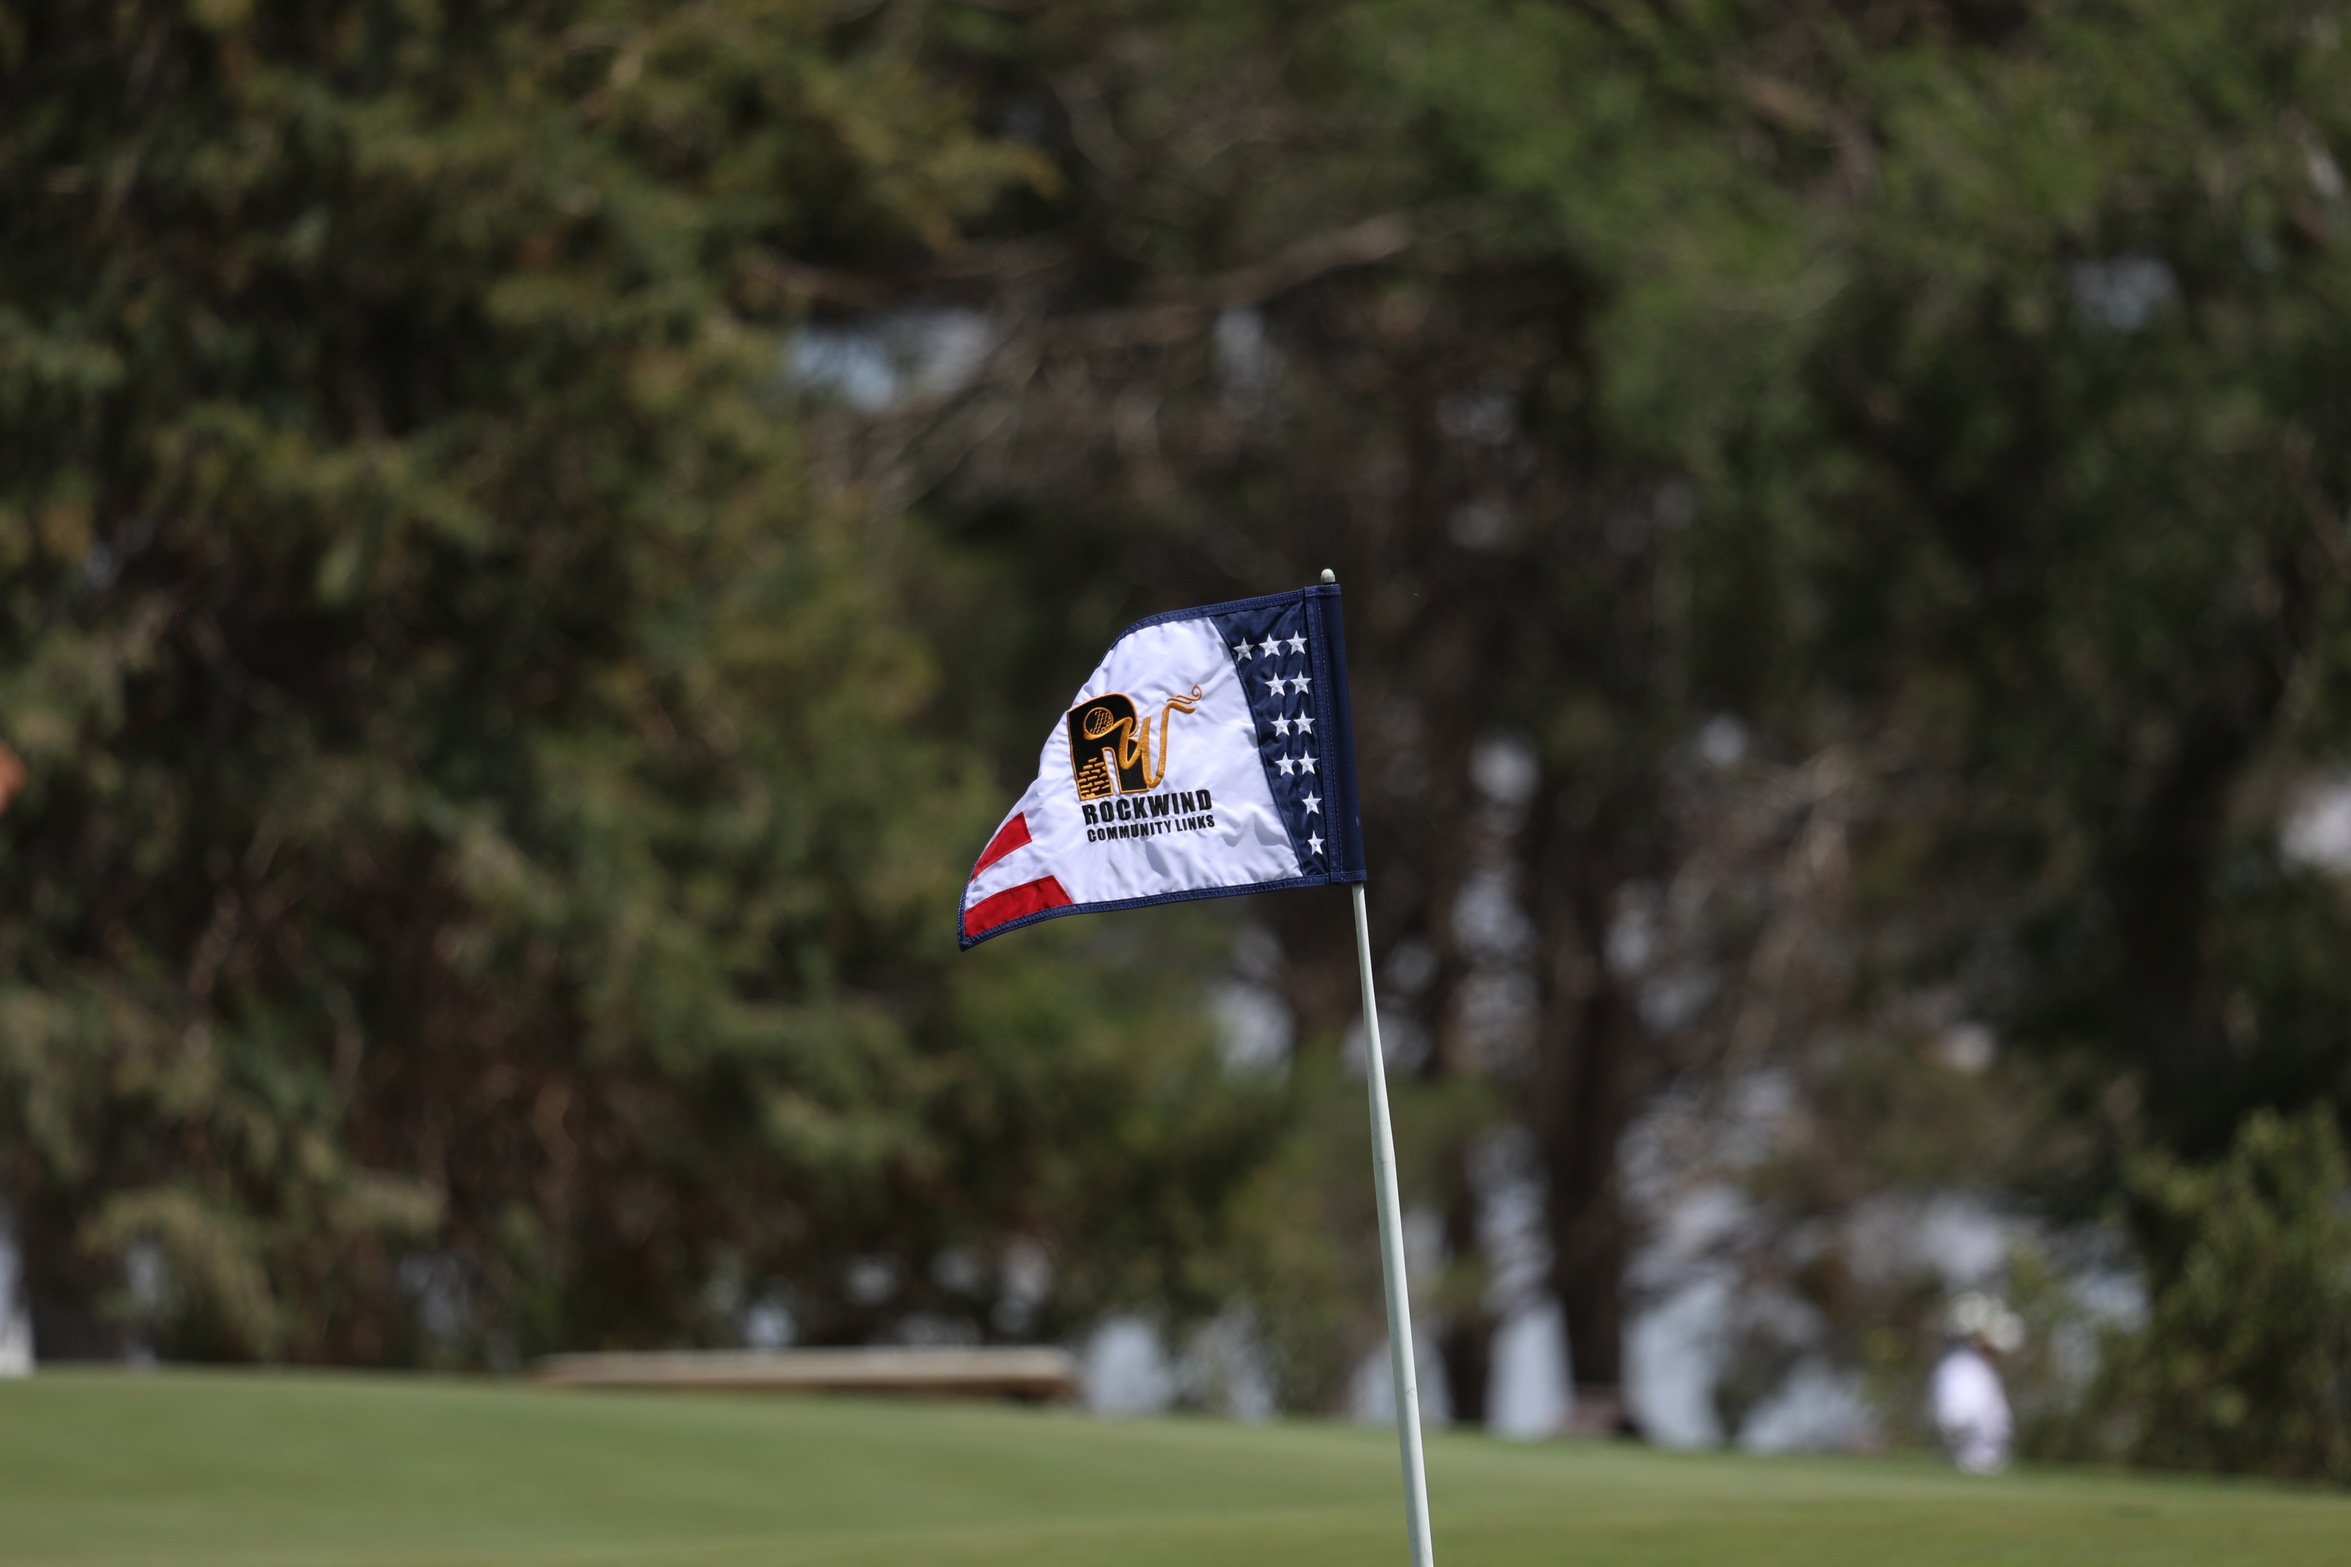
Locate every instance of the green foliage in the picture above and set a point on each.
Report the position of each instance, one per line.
(2077, 481)
(492, 836)
(2244, 1364)
(1949, 391)
(2002, 348)
(494, 807)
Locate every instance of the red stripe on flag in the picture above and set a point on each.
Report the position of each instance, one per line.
(1008, 837)
(1030, 897)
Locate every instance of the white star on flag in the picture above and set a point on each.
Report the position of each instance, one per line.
(1306, 763)
(1297, 644)
(1270, 647)
(1305, 724)
(1301, 682)
(1283, 763)
(1313, 804)
(1281, 726)
(1240, 651)
(1314, 843)
(1274, 684)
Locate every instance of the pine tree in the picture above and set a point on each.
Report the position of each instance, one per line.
(488, 852)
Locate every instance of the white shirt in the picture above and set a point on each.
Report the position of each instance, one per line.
(1971, 1411)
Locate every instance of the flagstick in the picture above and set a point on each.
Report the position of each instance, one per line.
(1383, 1169)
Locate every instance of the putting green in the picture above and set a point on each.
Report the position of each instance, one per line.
(212, 1468)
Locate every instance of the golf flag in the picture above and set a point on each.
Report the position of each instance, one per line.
(1210, 753)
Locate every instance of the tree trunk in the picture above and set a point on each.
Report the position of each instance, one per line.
(1583, 1106)
(2161, 873)
(63, 1288)
(1588, 1077)
(1466, 1336)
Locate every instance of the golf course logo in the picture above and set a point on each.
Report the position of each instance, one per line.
(1110, 748)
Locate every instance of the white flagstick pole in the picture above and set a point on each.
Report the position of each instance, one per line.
(1383, 1169)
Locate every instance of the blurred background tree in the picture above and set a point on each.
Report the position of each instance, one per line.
(485, 880)
(2244, 1362)
(1842, 506)
(1844, 564)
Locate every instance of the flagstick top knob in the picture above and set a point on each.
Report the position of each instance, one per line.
(1329, 575)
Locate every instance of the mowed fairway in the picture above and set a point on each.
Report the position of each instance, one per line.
(198, 1469)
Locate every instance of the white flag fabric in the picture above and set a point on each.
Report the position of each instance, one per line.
(1210, 753)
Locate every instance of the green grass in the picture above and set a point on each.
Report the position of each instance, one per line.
(196, 1469)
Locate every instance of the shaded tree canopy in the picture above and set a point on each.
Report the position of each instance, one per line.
(484, 881)
(1932, 393)
(1841, 506)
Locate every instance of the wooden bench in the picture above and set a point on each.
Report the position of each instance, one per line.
(1034, 1375)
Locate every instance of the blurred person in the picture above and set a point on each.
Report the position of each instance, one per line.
(16, 1318)
(1970, 1405)
(12, 777)
(16, 1322)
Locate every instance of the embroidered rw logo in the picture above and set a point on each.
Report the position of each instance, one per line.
(1110, 748)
